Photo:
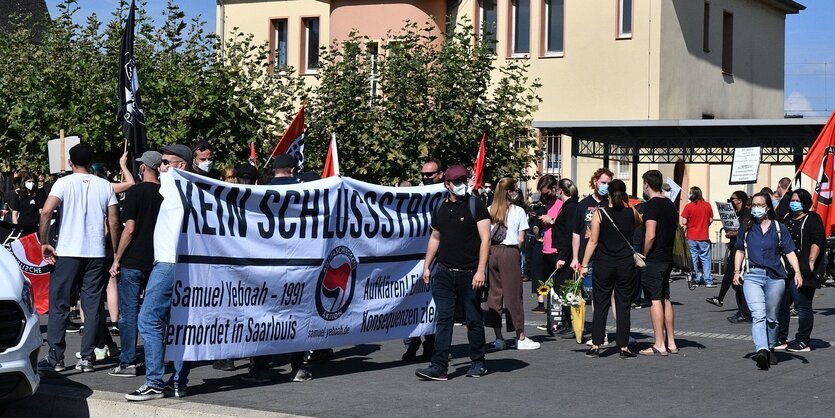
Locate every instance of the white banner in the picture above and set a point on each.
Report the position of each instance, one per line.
(275, 269)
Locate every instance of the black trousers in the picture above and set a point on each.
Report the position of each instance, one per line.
(727, 282)
(619, 280)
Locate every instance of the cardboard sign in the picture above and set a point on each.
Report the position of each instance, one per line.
(728, 216)
(59, 153)
(675, 189)
(746, 165)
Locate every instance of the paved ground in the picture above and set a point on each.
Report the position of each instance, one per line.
(713, 376)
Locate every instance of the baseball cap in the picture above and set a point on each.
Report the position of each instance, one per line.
(285, 161)
(455, 172)
(179, 150)
(151, 158)
(246, 171)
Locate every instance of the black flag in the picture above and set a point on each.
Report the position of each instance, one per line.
(131, 115)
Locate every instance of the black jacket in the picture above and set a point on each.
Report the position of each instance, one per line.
(562, 231)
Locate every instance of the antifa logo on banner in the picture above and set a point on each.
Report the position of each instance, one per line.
(296, 149)
(824, 187)
(335, 287)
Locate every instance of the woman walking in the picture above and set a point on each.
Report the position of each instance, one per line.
(806, 229)
(759, 246)
(504, 270)
(614, 267)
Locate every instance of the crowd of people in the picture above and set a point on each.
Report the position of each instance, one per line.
(484, 244)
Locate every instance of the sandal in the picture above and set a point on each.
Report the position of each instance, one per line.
(652, 351)
(673, 351)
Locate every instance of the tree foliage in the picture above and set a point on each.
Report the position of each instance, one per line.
(431, 97)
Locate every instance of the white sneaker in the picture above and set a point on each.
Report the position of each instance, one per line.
(101, 353)
(527, 344)
(605, 342)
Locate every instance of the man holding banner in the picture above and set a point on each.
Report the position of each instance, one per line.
(460, 239)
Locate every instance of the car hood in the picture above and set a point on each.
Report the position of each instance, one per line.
(11, 278)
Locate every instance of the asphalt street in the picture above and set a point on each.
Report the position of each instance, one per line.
(712, 376)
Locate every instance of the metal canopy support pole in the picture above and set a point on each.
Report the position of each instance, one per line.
(607, 149)
(635, 179)
(575, 148)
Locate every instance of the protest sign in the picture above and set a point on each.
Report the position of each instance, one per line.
(274, 269)
(728, 216)
(58, 150)
(675, 189)
(746, 165)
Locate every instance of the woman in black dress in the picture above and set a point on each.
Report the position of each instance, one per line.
(27, 202)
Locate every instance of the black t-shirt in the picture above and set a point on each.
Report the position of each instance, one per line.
(582, 220)
(141, 204)
(28, 207)
(663, 212)
(460, 241)
(613, 249)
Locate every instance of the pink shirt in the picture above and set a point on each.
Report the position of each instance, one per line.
(553, 210)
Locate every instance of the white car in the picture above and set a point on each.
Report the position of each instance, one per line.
(20, 333)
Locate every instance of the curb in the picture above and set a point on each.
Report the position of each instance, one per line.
(80, 401)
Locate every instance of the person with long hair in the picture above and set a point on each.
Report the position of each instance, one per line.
(27, 202)
(696, 217)
(739, 201)
(509, 223)
(614, 267)
(806, 229)
(757, 267)
(566, 192)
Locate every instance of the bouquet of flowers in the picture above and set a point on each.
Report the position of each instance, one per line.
(569, 293)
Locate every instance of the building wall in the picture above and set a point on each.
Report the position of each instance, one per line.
(692, 81)
(375, 19)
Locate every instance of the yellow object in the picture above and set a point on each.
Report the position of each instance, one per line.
(578, 321)
(543, 290)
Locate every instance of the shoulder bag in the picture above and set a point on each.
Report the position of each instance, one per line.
(640, 260)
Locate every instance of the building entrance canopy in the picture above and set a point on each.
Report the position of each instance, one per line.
(783, 141)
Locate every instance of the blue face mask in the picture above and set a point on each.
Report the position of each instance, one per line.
(796, 207)
(603, 189)
(758, 213)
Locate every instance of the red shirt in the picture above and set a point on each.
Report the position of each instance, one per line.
(698, 215)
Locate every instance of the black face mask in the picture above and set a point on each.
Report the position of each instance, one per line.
(427, 181)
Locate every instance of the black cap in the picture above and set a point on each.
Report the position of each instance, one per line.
(81, 154)
(246, 171)
(285, 161)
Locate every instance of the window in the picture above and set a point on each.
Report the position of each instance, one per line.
(279, 43)
(554, 27)
(311, 44)
(551, 163)
(373, 50)
(521, 21)
(489, 24)
(624, 19)
(706, 28)
(728, 42)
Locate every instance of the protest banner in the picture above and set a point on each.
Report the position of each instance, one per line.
(746, 165)
(274, 269)
(728, 216)
(22, 242)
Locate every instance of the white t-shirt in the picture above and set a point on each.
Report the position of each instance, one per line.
(167, 234)
(516, 220)
(84, 202)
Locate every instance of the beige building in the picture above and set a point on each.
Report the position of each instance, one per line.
(640, 67)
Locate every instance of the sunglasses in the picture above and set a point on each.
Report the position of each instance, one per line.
(430, 173)
(169, 162)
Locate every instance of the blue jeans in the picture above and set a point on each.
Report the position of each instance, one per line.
(587, 280)
(156, 309)
(700, 252)
(448, 288)
(131, 283)
(764, 295)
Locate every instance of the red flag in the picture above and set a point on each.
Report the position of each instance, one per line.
(252, 155)
(27, 251)
(292, 142)
(331, 160)
(478, 167)
(819, 163)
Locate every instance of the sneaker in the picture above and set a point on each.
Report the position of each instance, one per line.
(126, 371)
(710, 285)
(477, 369)
(173, 389)
(605, 342)
(797, 347)
(542, 327)
(114, 330)
(85, 365)
(539, 309)
(431, 373)
(793, 312)
(74, 326)
(302, 375)
(714, 301)
(256, 376)
(101, 353)
(145, 393)
(691, 284)
(45, 366)
(527, 344)
(316, 355)
(225, 365)
(781, 346)
(499, 345)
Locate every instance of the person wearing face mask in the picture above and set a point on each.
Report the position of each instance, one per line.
(696, 218)
(758, 268)
(507, 234)
(807, 231)
(460, 239)
(547, 187)
(202, 160)
(486, 193)
(743, 315)
(27, 202)
(561, 241)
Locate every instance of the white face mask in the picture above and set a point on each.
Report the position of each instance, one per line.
(30, 185)
(459, 190)
(205, 165)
